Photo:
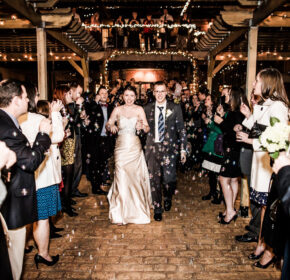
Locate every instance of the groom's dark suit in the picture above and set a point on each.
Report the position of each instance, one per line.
(161, 157)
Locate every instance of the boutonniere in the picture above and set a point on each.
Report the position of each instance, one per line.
(168, 113)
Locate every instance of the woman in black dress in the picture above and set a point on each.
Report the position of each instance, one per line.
(230, 170)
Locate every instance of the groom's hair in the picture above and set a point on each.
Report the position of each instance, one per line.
(160, 83)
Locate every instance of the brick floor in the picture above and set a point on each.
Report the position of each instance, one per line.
(187, 244)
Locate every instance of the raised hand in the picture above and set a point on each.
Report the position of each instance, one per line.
(245, 110)
(56, 106)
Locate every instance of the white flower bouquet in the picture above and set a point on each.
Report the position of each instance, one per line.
(275, 138)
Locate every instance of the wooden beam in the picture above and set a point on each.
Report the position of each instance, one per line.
(237, 18)
(27, 11)
(252, 59)
(266, 8)
(278, 19)
(77, 67)
(232, 37)
(51, 21)
(42, 62)
(47, 4)
(60, 37)
(248, 3)
(221, 65)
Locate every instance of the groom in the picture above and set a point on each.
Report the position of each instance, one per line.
(166, 136)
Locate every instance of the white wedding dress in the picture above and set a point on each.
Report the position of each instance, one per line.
(130, 193)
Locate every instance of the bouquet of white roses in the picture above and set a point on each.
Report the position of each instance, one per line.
(275, 138)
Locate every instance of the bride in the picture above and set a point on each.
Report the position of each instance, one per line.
(130, 194)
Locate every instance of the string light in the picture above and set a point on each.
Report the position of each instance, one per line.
(185, 7)
(155, 25)
(187, 55)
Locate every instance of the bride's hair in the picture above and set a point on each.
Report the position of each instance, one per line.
(130, 88)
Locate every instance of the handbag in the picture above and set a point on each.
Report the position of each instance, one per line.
(257, 130)
(218, 145)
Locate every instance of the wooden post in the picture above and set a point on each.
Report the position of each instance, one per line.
(41, 62)
(252, 59)
(85, 66)
(211, 62)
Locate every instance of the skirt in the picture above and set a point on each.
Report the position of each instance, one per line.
(48, 202)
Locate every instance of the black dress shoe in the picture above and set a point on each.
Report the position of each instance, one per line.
(217, 199)
(55, 229)
(158, 217)
(79, 194)
(206, 197)
(28, 250)
(69, 211)
(247, 228)
(54, 235)
(167, 205)
(246, 238)
(244, 211)
(73, 202)
(99, 192)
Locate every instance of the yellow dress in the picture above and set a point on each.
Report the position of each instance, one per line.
(130, 193)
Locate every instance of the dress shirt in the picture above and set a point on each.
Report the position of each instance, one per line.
(105, 114)
(157, 111)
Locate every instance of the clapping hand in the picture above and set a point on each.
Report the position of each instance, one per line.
(218, 119)
(139, 125)
(183, 157)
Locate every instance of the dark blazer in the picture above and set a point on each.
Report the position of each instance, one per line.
(96, 116)
(20, 208)
(175, 133)
(283, 188)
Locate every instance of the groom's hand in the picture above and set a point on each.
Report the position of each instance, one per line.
(183, 157)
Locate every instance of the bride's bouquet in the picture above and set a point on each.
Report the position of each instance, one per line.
(275, 138)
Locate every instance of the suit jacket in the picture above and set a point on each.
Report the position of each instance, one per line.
(20, 208)
(283, 188)
(175, 133)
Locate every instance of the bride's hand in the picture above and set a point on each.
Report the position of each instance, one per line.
(113, 129)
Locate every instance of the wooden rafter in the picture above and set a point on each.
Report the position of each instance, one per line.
(60, 37)
(232, 37)
(221, 65)
(278, 19)
(237, 18)
(265, 10)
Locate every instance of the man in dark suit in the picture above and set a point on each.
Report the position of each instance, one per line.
(75, 109)
(20, 208)
(99, 141)
(167, 135)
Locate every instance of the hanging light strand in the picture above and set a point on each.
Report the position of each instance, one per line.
(155, 25)
(185, 7)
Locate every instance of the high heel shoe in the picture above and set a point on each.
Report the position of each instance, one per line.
(253, 256)
(39, 259)
(264, 266)
(223, 222)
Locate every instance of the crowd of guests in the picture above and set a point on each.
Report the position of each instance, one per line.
(149, 35)
(47, 146)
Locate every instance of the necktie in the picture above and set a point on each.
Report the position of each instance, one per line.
(104, 104)
(161, 127)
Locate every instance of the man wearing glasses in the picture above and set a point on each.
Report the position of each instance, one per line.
(165, 139)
